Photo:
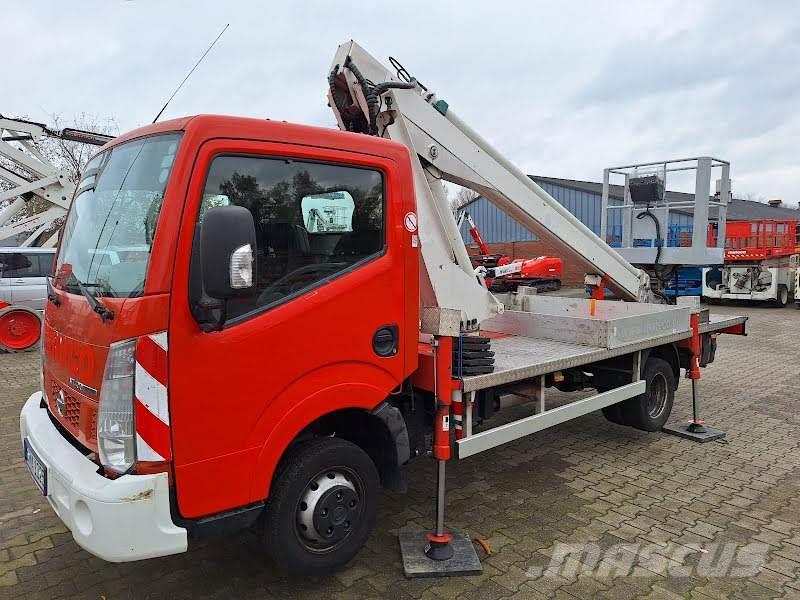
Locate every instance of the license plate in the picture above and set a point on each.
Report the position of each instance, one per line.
(36, 467)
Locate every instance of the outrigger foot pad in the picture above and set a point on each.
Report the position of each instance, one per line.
(697, 432)
(425, 558)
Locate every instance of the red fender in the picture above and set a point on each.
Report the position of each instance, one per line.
(367, 387)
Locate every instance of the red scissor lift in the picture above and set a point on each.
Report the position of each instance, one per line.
(761, 260)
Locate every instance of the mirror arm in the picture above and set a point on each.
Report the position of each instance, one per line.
(219, 323)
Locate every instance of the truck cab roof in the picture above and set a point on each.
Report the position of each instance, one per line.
(225, 126)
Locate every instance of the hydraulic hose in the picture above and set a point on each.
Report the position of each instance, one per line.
(659, 239)
(372, 93)
(659, 243)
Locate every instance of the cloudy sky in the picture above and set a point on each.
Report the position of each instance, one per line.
(561, 88)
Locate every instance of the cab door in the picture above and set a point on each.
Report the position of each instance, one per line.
(324, 332)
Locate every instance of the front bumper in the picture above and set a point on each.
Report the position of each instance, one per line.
(117, 520)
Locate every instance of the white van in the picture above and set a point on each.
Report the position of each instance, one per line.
(23, 273)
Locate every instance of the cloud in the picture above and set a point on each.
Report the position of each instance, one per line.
(563, 89)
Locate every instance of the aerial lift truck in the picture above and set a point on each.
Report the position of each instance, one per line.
(330, 359)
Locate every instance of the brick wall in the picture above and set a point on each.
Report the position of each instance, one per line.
(573, 275)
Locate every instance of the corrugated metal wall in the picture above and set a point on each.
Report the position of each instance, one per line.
(496, 227)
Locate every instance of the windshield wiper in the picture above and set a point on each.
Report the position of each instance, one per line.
(97, 306)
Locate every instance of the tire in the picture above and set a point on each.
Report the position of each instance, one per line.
(613, 413)
(345, 501)
(650, 411)
(20, 329)
(783, 296)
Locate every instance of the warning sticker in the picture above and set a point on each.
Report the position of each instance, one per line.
(446, 423)
(410, 222)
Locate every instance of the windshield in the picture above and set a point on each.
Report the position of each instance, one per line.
(110, 229)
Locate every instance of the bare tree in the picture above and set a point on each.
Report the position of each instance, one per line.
(463, 197)
(65, 155)
(72, 156)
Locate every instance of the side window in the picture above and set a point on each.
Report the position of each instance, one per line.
(313, 221)
(20, 264)
(46, 264)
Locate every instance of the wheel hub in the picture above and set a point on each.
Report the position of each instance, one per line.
(19, 329)
(329, 508)
(657, 397)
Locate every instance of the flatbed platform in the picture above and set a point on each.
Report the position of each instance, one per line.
(719, 322)
(519, 357)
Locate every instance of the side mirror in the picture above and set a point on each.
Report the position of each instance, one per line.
(227, 252)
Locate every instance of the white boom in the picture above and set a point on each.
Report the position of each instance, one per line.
(367, 97)
(30, 175)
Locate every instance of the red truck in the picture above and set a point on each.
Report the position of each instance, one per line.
(123, 341)
(241, 368)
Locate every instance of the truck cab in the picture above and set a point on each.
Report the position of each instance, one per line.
(198, 330)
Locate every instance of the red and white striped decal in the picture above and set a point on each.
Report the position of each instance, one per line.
(152, 409)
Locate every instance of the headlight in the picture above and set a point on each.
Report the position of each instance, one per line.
(116, 435)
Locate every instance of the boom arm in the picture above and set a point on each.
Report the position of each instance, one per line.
(446, 148)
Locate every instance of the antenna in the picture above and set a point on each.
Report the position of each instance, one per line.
(197, 64)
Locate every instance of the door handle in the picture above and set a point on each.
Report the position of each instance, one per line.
(19, 281)
(385, 340)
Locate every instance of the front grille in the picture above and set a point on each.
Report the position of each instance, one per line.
(71, 410)
(91, 417)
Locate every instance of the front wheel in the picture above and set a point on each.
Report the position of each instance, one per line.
(322, 506)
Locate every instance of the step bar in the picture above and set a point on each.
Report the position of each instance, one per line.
(476, 443)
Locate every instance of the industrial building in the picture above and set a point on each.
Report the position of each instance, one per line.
(583, 199)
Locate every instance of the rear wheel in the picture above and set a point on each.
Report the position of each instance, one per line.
(650, 411)
(20, 328)
(322, 506)
(783, 296)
